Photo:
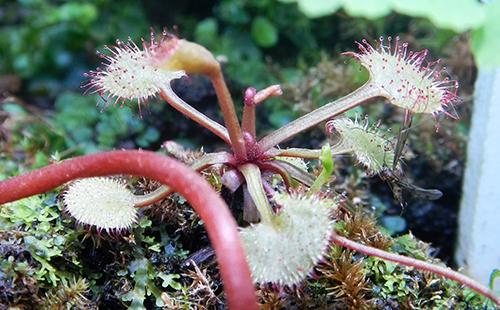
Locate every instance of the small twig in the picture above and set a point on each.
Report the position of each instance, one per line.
(204, 281)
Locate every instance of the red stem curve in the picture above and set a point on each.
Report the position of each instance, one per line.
(418, 264)
(219, 223)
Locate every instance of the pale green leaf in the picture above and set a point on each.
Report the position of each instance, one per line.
(459, 16)
(318, 8)
(206, 32)
(263, 32)
(370, 9)
(486, 40)
(420, 8)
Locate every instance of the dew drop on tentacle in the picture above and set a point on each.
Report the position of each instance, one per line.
(152, 36)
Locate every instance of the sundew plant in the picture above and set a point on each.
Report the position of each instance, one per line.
(287, 231)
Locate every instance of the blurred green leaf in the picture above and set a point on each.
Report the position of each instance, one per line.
(280, 118)
(206, 32)
(233, 11)
(318, 8)
(369, 9)
(393, 223)
(486, 40)
(460, 16)
(263, 32)
(41, 160)
(151, 135)
(81, 13)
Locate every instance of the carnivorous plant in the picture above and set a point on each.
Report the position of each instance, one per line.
(289, 231)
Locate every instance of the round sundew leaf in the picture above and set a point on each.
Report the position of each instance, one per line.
(405, 78)
(129, 72)
(285, 251)
(103, 203)
(369, 146)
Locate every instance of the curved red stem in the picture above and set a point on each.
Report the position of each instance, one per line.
(418, 264)
(220, 225)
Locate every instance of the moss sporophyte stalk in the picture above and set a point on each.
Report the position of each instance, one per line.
(289, 227)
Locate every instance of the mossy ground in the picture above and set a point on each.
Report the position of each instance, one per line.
(165, 261)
